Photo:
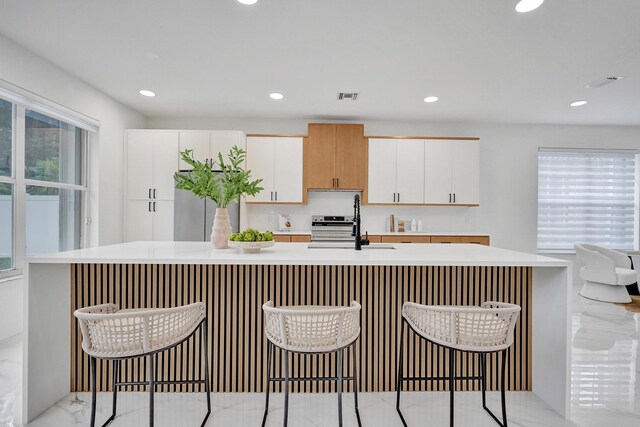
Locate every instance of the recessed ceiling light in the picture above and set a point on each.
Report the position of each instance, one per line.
(431, 99)
(578, 103)
(248, 2)
(146, 92)
(524, 6)
(276, 95)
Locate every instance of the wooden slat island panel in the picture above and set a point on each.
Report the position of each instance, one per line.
(234, 295)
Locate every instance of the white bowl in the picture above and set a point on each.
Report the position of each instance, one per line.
(250, 246)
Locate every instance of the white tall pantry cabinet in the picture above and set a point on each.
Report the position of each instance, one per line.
(150, 161)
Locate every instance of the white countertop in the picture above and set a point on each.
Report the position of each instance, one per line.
(299, 254)
(399, 233)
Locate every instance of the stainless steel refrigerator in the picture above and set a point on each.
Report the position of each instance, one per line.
(193, 217)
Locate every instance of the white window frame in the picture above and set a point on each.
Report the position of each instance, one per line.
(593, 150)
(22, 101)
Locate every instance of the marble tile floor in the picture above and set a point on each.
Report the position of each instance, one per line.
(605, 391)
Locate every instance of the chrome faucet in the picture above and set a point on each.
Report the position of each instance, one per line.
(356, 225)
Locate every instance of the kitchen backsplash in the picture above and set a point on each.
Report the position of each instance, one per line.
(374, 218)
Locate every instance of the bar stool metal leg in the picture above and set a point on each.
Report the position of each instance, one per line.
(152, 387)
(207, 384)
(92, 362)
(399, 376)
(116, 376)
(285, 354)
(355, 382)
(502, 389)
(266, 403)
(452, 383)
(339, 355)
(483, 360)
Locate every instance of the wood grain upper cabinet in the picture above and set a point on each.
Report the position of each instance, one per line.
(452, 172)
(396, 171)
(351, 156)
(335, 157)
(278, 162)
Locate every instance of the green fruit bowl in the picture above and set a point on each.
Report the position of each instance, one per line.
(250, 246)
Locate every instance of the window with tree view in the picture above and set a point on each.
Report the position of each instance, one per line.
(50, 194)
(7, 184)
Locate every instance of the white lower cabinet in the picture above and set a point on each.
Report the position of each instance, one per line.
(278, 162)
(149, 220)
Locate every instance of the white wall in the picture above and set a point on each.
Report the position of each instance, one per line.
(23, 68)
(508, 172)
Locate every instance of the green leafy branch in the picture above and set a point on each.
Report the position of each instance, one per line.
(224, 187)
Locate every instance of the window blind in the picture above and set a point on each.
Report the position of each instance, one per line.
(587, 196)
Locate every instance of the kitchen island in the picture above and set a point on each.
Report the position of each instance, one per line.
(234, 285)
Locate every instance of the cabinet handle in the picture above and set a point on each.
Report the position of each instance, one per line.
(149, 193)
(449, 197)
(454, 197)
(154, 206)
(271, 196)
(398, 197)
(333, 183)
(276, 196)
(394, 197)
(337, 182)
(154, 193)
(149, 206)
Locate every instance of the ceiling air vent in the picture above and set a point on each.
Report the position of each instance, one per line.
(603, 82)
(347, 96)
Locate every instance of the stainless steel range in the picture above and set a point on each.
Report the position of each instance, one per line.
(331, 228)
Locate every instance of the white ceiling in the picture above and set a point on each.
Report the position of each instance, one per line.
(485, 61)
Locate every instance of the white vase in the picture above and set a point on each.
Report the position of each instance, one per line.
(221, 230)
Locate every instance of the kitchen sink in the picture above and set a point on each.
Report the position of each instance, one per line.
(347, 245)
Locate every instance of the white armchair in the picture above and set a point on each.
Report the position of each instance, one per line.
(605, 273)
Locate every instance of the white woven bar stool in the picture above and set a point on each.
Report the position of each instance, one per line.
(485, 329)
(112, 334)
(311, 330)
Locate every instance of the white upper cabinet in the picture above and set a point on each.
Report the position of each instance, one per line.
(288, 170)
(199, 142)
(261, 163)
(437, 172)
(223, 140)
(382, 171)
(410, 171)
(278, 162)
(465, 174)
(139, 180)
(151, 162)
(396, 171)
(452, 172)
(165, 164)
(207, 144)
